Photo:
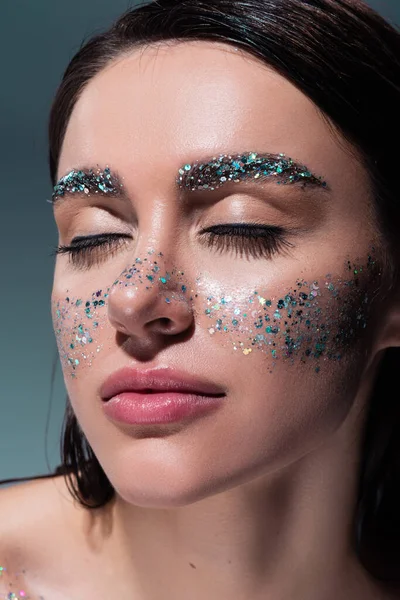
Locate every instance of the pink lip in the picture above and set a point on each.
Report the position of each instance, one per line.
(164, 379)
(135, 408)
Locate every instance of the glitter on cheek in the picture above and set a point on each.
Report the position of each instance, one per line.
(75, 324)
(314, 320)
(76, 321)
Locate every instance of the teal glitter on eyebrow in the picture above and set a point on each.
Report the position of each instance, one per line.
(226, 168)
(85, 182)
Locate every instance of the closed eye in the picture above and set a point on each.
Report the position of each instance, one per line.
(259, 241)
(256, 240)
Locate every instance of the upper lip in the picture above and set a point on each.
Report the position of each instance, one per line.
(162, 379)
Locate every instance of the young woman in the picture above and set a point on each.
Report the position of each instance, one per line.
(226, 307)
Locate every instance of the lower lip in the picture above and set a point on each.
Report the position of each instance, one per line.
(135, 408)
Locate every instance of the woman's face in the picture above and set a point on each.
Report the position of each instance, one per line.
(283, 323)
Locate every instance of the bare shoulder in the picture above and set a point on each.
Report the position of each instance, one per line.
(32, 506)
(50, 546)
(37, 518)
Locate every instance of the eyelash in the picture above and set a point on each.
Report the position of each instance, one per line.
(260, 241)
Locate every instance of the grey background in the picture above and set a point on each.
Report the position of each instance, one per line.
(37, 40)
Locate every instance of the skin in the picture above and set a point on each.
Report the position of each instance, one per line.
(255, 499)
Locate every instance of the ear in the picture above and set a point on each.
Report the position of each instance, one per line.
(389, 334)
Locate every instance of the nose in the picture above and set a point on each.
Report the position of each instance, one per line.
(146, 301)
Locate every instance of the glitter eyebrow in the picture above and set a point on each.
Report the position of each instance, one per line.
(88, 180)
(215, 171)
(210, 174)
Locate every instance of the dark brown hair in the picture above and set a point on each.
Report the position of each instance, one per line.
(345, 57)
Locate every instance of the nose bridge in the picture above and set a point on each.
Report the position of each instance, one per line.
(150, 272)
(151, 293)
(158, 219)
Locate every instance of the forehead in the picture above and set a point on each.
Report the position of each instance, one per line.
(166, 104)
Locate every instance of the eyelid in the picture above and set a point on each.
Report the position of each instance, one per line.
(95, 236)
(273, 241)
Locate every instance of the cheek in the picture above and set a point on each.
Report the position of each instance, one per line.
(304, 322)
(307, 323)
(290, 411)
(79, 323)
(295, 360)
